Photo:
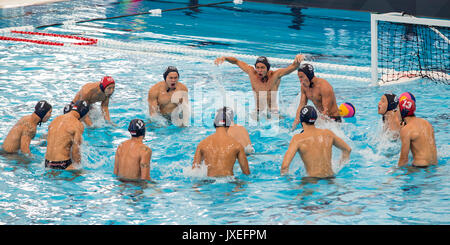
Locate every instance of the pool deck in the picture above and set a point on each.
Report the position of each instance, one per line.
(23, 3)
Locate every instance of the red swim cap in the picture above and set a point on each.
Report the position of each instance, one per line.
(107, 80)
(407, 107)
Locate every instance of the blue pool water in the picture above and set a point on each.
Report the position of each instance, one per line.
(370, 189)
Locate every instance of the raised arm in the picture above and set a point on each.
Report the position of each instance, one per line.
(303, 102)
(144, 163)
(292, 67)
(241, 64)
(243, 162)
(288, 156)
(404, 152)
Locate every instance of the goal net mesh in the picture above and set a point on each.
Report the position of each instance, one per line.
(412, 50)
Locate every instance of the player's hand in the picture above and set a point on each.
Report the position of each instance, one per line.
(219, 60)
(299, 58)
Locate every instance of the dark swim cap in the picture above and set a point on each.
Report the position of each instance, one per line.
(68, 108)
(264, 60)
(169, 70)
(392, 100)
(81, 107)
(41, 109)
(308, 70)
(308, 115)
(224, 117)
(137, 128)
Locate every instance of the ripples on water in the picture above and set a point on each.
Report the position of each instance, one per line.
(370, 189)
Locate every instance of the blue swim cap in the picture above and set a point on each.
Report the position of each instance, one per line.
(81, 107)
(136, 128)
(308, 115)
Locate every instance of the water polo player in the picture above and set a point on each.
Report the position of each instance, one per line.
(265, 82)
(314, 146)
(97, 92)
(417, 135)
(219, 151)
(21, 134)
(132, 159)
(388, 108)
(65, 137)
(319, 91)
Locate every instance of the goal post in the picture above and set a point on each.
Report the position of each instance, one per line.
(406, 48)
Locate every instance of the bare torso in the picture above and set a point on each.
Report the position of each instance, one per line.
(315, 148)
(64, 133)
(90, 93)
(165, 100)
(265, 92)
(240, 134)
(219, 152)
(423, 145)
(129, 158)
(12, 142)
(315, 94)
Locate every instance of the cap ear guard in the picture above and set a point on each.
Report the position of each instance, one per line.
(224, 117)
(81, 107)
(41, 109)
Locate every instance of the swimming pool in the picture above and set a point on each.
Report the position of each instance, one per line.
(368, 190)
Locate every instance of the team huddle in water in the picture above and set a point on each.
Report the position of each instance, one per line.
(230, 142)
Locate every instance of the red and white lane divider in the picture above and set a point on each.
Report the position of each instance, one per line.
(85, 40)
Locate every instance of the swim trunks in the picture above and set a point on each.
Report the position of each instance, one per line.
(58, 164)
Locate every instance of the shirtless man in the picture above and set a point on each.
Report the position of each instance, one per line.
(388, 108)
(65, 137)
(319, 91)
(219, 151)
(265, 83)
(132, 160)
(314, 146)
(240, 134)
(166, 96)
(417, 134)
(21, 134)
(97, 92)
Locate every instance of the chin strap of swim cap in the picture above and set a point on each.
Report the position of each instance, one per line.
(308, 69)
(136, 128)
(107, 80)
(41, 109)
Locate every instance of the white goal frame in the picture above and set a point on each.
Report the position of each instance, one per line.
(397, 18)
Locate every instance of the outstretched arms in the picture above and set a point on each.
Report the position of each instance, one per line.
(244, 66)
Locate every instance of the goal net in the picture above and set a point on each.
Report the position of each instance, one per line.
(406, 48)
